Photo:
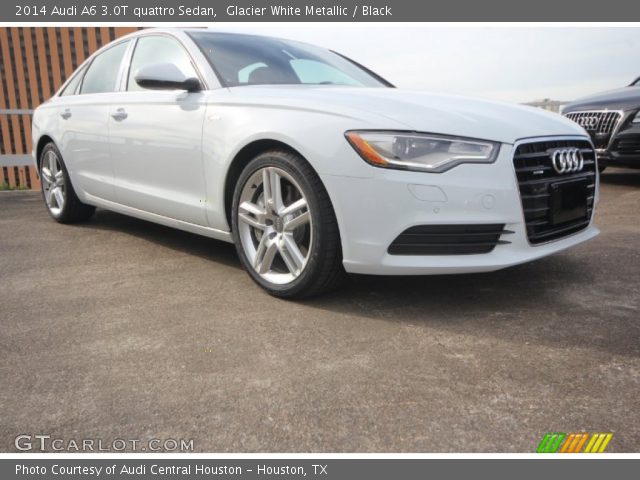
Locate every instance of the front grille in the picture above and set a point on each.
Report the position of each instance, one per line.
(448, 239)
(599, 123)
(536, 176)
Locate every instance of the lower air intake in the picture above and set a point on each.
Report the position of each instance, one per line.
(448, 239)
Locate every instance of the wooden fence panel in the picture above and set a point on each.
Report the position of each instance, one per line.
(32, 68)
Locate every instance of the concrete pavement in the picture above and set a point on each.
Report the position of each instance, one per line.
(119, 328)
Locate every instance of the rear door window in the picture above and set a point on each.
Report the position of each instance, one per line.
(104, 69)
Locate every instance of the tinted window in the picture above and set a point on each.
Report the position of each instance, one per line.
(253, 60)
(72, 86)
(103, 71)
(158, 49)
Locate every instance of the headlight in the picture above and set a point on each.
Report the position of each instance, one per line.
(418, 151)
(636, 119)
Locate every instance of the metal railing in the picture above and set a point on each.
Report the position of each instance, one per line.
(16, 169)
(16, 160)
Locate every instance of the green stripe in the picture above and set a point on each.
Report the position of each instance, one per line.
(556, 446)
(552, 439)
(543, 443)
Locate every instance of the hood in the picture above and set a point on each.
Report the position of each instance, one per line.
(627, 98)
(392, 108)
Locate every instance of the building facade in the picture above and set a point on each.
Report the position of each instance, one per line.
(34, 62)
(554, 106)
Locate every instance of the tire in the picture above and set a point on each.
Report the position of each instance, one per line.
(57, 191)
(289, 243)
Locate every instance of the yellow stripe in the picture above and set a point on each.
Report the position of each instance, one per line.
(606, 441)
(596, 445)
(591, 442)
(569, 439)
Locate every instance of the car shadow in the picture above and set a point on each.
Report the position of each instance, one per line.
(168, 237)
(453, 297)
(558, 301)
(554, 302)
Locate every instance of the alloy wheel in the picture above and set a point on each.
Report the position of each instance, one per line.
(275, 225)
(53, 183)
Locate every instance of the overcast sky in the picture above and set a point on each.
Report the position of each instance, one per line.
(505, 63)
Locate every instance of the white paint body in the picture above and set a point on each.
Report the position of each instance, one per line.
(168, 160)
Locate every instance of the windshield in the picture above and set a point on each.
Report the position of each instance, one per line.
(252, 60)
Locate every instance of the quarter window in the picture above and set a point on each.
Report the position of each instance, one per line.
(72, 86)
(103, 71)
(158, 49)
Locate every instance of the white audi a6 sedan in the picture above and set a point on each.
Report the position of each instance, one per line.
(310, 163)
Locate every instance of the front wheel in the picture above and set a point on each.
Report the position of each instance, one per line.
(284, 227)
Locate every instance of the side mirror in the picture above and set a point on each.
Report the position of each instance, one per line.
(165, 76)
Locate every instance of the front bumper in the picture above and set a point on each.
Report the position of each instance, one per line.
(620, 146)
(624, 148)
(373, 211)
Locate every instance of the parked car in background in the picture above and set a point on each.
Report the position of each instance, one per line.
(310, 163)
(612, 119)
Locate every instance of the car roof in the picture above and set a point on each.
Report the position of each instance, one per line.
(174, 30)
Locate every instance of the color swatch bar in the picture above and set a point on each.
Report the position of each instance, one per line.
(558, 442)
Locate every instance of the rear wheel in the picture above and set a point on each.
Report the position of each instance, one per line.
(284, 227)
(58, 193)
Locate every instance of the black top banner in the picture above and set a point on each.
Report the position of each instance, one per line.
(208, 11)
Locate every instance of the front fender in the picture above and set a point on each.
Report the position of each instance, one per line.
(318, 136)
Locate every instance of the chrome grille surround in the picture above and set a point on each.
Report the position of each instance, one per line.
(600, 124)
(535, 173)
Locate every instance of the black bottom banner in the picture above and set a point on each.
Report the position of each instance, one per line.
(334, 469)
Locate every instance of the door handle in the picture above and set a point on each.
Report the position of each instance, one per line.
(66, 114)
(119, 115)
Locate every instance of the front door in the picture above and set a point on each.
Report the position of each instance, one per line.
(156, 139)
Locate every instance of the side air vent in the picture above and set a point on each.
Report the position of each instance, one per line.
(449, 239)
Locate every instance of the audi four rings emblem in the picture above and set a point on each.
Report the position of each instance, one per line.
(588, 122)
(567, 160)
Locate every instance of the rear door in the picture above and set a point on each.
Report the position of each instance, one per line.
(156, 138)
(84, 107)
